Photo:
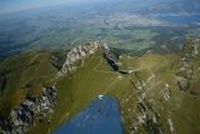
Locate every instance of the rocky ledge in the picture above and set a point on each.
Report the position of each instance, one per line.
(185, 71)
(76, 54)
(146, 115)
(23, 117)
(82, 51)
(110, 57)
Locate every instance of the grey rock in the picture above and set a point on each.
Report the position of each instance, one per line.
(22, 118)
(76, 54)
(183, 83)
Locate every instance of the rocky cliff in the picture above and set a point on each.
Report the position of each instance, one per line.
(185, 75)
(23, 117)
(110, 57)
(77, 54)
(82, 51)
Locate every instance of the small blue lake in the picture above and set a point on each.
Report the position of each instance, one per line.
(101, 117)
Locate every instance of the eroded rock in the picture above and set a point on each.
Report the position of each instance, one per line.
(23, 117)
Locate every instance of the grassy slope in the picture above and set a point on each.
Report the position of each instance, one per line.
(25, 75)
(78, 89)
(183, 108)
(196, 77)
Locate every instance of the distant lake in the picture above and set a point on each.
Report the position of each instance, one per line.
(101, 117)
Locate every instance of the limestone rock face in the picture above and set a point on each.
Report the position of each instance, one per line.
(76, 54)
(83, 51)
(185, 71)
(23, 117)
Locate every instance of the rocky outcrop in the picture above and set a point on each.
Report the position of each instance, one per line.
(110, 57)
(57, 60)
(146, 115)
(24, 116)
(185, 71)
(81, 52)
(76, 54)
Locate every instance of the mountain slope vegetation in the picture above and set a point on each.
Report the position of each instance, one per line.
(146, 88)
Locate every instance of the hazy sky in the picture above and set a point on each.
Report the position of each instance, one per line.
(17, 5)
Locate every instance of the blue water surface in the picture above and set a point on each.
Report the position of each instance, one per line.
(101, 117)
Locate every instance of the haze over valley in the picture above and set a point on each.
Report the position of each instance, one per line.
(129, 24)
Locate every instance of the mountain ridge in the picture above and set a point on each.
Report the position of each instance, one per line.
(143, 86)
